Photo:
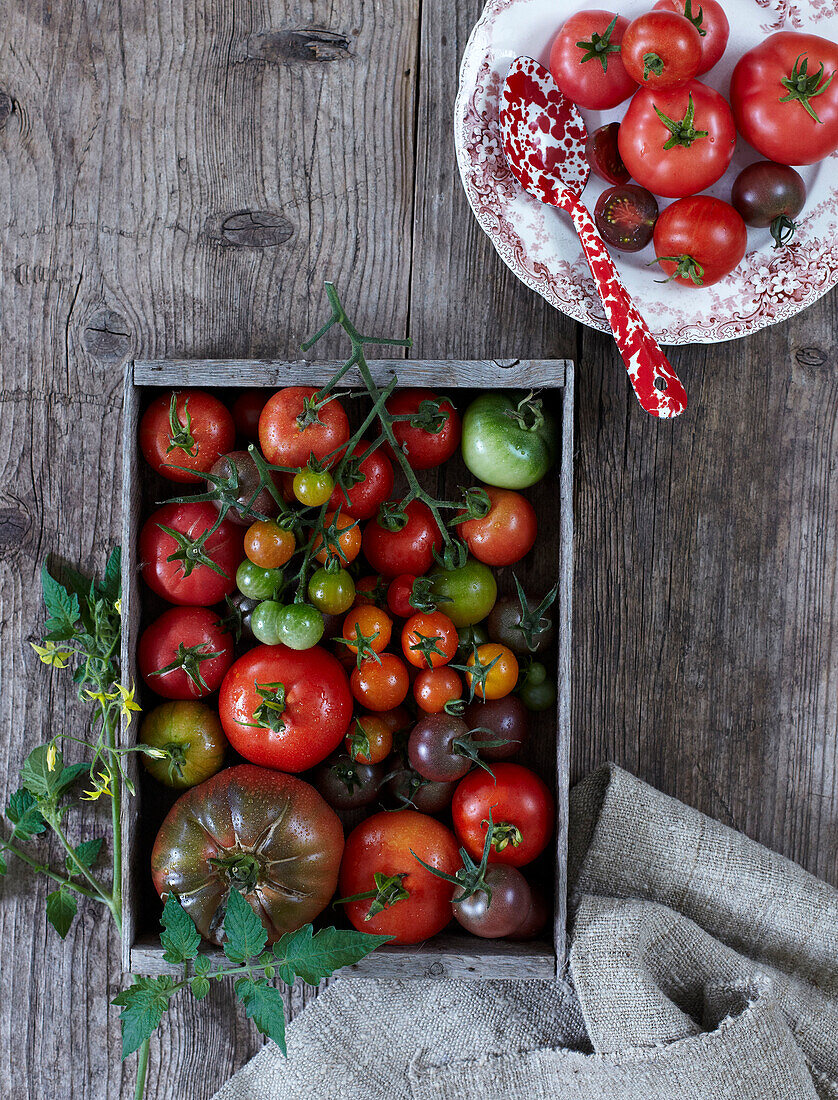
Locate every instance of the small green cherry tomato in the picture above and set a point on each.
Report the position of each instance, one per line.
(331, 593)
(301, 626)
(313, 487)
(264, 622)
(192, 737)
(540, 696)
(468, 592)
(256, 583)
(509, 440)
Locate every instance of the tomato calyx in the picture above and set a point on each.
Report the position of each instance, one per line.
(190, 552)
(782, 230)
(503, 834)
(682, 131)
(180, 433)
(600, 46)
(357, 741)
(476, 673)
(269, 713)
(422, 596)
(456, 708)
(362, 644)
(528, 414)
(534, 621)
(476, 505)
(696, 20)
(241, 869)
(454, 556)
(804, 86)
(388, 890)
(471, 877)
(686, 267)
(427, 644)
(176, 759)
(311, 411)
(392, 516)
(189, 660)
(429, 417)
(225, 493)
(652, 64)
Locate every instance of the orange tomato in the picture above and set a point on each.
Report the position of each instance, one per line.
(268, 545)
(380, 684)
(435, 687)
(498, 680)
(345, 546)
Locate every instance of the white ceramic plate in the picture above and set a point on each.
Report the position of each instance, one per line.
(538, 243)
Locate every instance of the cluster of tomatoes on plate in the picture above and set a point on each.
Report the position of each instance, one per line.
(326, 619)
(678, 135)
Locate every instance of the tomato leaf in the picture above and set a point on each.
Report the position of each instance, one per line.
(63, 607)
(180, 937)
(61, 908)
(245, 935)
(86, 853)
(67, 777)
(111, 582)
(3, 867)
(24, 815)
(36, 775)
(315, 956)
(143, 1005)
(200, 987)
(264, 1005)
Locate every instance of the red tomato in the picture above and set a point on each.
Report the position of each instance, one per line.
(418, 903)
(785, 97)
(194, 433)
(193, 641)
(703, 145)
(380, 684)
(425, 447)
(661, 49)
(192, 577)
(371, 589)
(435, 687)
(285, 708)
(368, 483)
(585, 60)
(506, 533)
(370, 623)
(290, 431)
(410, 550)
(522, 813)
(247, 408)
(343, 539)
(429, 639)
(702, 238)
(711, 23)
(399, 593)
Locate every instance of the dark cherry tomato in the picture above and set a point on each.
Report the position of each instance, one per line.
(498, 915)
(429, 639)
(407, 550)
(185, 567)
(604, 156)
(247, 408)
(408, 788)
(347, 784)
(397, 720)
(504, 719)
(188, 428)
(625, 217)
(433, 748)
(291, 428)
(504, 625)
(506, 533)
(699, 240)
(366, 484)
(191, 734)
(435, 436)
(769, 195)
(434, 687)
(585, 60)
(380, 683)
(185, 653)
(710, 21)
(521, 810)
(661, 49)
(536, 917)
(240, 487)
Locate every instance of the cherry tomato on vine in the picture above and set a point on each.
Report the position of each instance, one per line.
(686, 147)
(265, 621)
(367, 622)
(246, 410)
(506, 533)
(498, 680)
(436, 435)
(191, 734)
(370, 739)
(585, 60)
(185, 653)
(661, 49)
(257, 583)
(604, 156)
(185, 428)
(268, 545)
(625, 217)
(293, 427)
(365, 484)
(500, 909)
(407, 550)
(371, 589)
(521, 809)
(343, 539)
(769, 195)
(300, 626)
(236, 480)
(429, 639)
(312, 487)
(182, 566)
(331, 593)
(710, 21)
(434, 687)
(467, 593)
(381, 682)
(699, 240)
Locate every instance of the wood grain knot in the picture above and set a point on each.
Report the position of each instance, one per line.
(811, 357)
(6, 108)
(107, 336)
(255, 229)
(14, 527)
(301, 44)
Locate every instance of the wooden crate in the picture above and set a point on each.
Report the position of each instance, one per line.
(451, 954)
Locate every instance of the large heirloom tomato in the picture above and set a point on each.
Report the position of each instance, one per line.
(285, 708)
(585, 60)
(677, 141)
(188, 428)
(291, 428)
(185, 653)
(509, 440)
(412, 904)
(182, 566)
(784, 94)
(268, 835)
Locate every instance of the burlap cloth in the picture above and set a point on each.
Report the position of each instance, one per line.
(703, 967)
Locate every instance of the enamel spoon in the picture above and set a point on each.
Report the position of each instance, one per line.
(544, 141)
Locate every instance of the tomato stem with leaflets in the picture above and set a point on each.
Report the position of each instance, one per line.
(804, 86)
(782, 230)
(686, 267)
(682, 131)
(600, 46)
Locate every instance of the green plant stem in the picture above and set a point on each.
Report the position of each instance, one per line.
(99, 892)
(142, 1070)
(116, 813)
(62, 880)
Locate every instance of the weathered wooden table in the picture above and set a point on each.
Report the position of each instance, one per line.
(178, 179)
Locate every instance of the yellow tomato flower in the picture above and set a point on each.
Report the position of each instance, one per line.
(51, 654)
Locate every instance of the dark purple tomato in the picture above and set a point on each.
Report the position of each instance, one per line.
(536, 917)
(604, 156)
(768, 194)
(346, 784)
(238, 481)
(409, 789)
(505, 718)
(625, 217)
(504, 625)
(433, 748)
(502, 914)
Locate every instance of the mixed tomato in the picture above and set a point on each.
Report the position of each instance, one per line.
(677, 135)
(338, 637)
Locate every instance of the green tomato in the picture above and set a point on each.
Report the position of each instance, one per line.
(536, 674)
(509, 440)
(313, 487)
(264, 622)
(301, 626)
(331, 593)
(540, 696)
(256, 583)
(191, 735)
(471, 590)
